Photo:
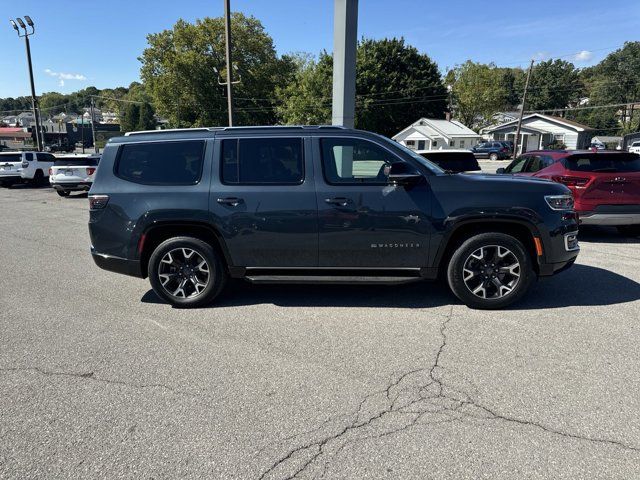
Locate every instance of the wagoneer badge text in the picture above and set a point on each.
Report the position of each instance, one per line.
(395, 245)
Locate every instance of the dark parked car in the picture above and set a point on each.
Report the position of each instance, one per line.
(64, 147)
(491, 150)
(452, 160)
(605, 184)
(192, 208)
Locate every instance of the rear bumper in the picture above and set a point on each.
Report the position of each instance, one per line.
(14, 177)
(611, 215)
(117, 264)
(72, 186)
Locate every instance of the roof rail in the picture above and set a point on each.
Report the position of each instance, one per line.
(170, 130)
(248, 127)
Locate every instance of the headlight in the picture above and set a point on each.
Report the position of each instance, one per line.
(559, 202)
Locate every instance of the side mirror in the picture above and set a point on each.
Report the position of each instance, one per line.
(401, 173)
(500, 170)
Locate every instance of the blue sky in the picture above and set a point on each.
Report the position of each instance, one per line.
(78, 43)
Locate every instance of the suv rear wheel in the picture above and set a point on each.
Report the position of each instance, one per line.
(186, 272)
(490, 271)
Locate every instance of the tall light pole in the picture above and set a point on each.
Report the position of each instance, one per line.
(227, 36)
(345, 43)
(524, 99)
(34, 100)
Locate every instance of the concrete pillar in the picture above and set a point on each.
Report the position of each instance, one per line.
(345, 40)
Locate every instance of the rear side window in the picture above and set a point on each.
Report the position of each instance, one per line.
(603, 162)
(161, 163)
(262, 161)
(10, 158)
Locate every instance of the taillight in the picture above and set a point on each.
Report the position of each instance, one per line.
(571, 181)
(504, 149)
(96, 202)
(90, 171)
(50, 172)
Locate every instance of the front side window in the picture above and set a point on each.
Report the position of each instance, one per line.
(262, 161)
(517, 165)
(161, 163)
(348, 160)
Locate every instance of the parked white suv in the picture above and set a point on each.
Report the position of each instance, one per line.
(634, 147)
(20, 167)
(73, 174)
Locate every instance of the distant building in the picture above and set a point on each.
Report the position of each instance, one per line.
(539, 131)
(431, 134)
(110, 117)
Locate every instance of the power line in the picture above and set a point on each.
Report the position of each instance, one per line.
(611, 105)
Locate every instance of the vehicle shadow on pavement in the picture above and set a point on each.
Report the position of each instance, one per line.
(598, 234)
(581, 285)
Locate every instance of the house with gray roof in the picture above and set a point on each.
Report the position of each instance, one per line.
(433, 134)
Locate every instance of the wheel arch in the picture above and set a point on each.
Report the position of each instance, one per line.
(157, 233)
(520, 229)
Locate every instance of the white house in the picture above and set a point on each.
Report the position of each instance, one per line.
(539, 130)
(432, 134)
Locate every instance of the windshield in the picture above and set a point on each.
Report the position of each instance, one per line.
(603, 162)
(76, 162)
(423, 161)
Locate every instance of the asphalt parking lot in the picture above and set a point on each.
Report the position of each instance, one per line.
(99, 379)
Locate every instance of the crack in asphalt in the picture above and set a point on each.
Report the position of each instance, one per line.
(90, 375)
(428, 395)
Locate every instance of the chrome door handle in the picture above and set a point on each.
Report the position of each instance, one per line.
(231, 201)
(340, 201)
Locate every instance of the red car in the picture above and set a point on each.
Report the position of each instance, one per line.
(605, 184)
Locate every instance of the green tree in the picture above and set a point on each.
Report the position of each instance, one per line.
(613, 81)
(179, 72)
(395, 85)
(554, 84)
(480, 90)
(146, 120)
(130, 117)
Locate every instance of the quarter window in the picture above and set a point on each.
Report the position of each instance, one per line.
(347, 160)
(256, 161)
(161, 163)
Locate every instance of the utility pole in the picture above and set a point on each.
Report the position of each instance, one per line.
(93, 128)
(227, 33)
(524, 99)
(345, 42)
(34, 100)
(82, 130)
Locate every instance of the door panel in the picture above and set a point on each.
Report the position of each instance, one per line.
(369, 224)
(265, 225)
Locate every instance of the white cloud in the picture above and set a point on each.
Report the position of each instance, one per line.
(540, 56)
(62, 76)
(583, 56)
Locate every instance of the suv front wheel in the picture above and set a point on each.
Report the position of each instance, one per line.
(490, 271)
(186, 272)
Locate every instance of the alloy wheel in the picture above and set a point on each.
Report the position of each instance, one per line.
(491, 272)
(184, 273)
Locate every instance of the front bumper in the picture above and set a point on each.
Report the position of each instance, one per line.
(564, 254)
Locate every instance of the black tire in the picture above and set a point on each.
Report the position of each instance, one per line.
(38, 178)
(493, 156)
(217, 275)
(63, 193)
(629, 230)
(456, 271)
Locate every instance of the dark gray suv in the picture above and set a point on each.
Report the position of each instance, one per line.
(192, 208)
